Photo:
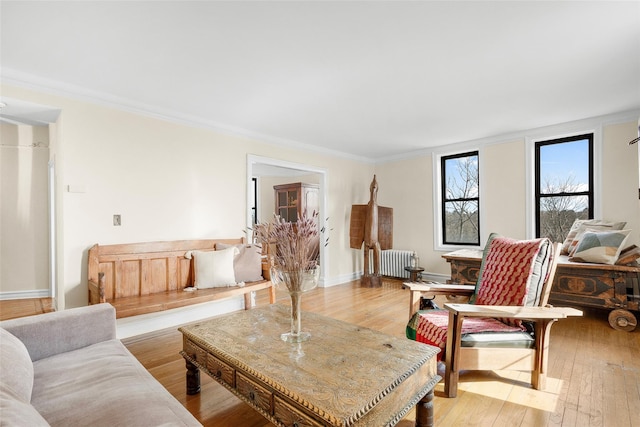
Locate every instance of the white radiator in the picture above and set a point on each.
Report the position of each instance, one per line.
(393, 262)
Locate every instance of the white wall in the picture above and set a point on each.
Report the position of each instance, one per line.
(24, 238)
(503, 196)
(407, 186)
(168, 181)
(172, 181)
(620, 177)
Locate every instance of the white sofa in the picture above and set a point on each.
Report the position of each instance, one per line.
(68, 369)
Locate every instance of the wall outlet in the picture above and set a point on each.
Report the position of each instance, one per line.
(117, 221)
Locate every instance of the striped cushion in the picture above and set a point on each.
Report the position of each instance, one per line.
(522, 339)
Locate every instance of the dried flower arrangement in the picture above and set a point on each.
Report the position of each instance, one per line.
(296, 249)
(294, 262)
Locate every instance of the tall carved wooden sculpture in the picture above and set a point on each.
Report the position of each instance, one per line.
(373, 225)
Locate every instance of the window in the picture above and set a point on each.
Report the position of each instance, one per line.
(563, 184)
(460, 199)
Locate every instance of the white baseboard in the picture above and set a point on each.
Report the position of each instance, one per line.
(145, 323)
(36, 293)
(338, 280)
(426, 276)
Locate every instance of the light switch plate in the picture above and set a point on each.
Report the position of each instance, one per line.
(75, 188)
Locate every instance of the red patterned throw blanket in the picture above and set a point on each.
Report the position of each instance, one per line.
(430, 327)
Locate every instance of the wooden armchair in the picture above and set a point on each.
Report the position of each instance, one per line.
(507, 322)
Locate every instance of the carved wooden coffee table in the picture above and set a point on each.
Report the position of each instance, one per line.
(345, 375)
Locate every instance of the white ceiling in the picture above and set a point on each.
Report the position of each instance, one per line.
(369, 80)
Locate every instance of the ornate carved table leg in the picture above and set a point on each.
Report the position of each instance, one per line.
(193, 378)
(424, 411)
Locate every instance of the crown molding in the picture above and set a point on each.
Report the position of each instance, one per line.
(540, 132)
(28, 81)
(16, 78)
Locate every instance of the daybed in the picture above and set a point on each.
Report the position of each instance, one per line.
(67, 368)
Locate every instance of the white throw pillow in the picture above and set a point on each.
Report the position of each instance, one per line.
(214, 269)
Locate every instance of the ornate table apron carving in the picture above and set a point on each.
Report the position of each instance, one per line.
(345, 375)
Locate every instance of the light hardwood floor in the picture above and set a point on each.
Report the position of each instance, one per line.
(594, 370)
(10, 309)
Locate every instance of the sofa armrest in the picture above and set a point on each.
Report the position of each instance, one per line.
(48, 334)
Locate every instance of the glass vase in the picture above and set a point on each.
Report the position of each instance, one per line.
(297, 282)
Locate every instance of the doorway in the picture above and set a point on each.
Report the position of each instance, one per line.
(29, 219)
(265, 167)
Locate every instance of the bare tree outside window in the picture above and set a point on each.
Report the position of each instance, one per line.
(564, 184)
(557, 213)
(461, 202)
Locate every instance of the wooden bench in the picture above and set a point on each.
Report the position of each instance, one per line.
(140, 278)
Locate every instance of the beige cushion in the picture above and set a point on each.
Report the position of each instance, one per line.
(247, 264)
(579, 226)
(602, 247)
(103, 385)
(585, 228)
(16, 367)
(214, 269)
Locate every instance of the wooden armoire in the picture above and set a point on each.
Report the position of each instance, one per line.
(292, 200)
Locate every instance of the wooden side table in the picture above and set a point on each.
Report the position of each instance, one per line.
(413, 273)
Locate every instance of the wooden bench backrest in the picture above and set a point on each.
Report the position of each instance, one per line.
(137, 269)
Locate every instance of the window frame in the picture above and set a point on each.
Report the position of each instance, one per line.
(581, 127)
(538, 195)
(439, 196)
